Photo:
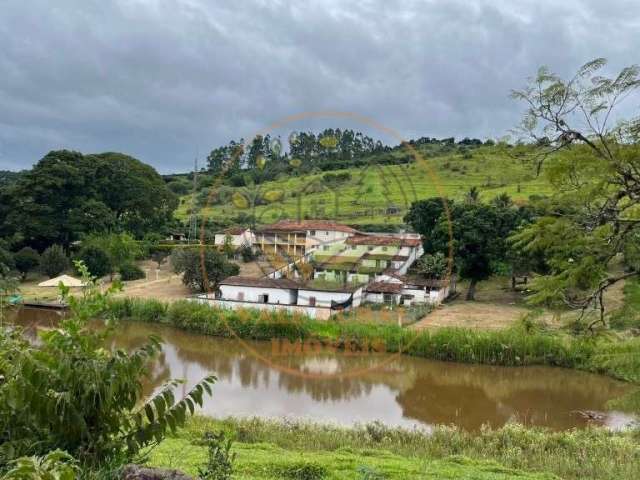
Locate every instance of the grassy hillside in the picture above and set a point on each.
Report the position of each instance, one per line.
(379, 194)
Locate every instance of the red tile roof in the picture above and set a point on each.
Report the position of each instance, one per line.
(263, 282)
(235, 230)
(383, 287)
(304, 225)
(383, 240)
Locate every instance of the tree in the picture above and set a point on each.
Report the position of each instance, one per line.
(472, 196)
(120, 248)
(7, 261)
(475, 233)
(26, 260)
(96, 259)
(67, 195)
(433, 266)
(190, 263)
(53, 261)
(68, 392)
(593, 216)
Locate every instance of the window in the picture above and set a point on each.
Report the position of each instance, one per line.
(264, 298)
(325, 247)
(312, 233)
(384, 249)
(326, 233)
(370, 248)
(241, 296)
(353, 247)
(312, 301)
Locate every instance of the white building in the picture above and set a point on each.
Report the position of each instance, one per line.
(283, 294)
(237, 236)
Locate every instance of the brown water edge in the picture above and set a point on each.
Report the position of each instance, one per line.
(408, 391)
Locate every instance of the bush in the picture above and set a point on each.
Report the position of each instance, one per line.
(53, 261)
(246, 252)
(6, 260)
(219, 457)
(68, 392)
(26, 260)
(130, 271)
(96, 259)
(299, 470)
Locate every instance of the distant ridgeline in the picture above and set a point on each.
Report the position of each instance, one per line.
(265, 158)
(349, 177)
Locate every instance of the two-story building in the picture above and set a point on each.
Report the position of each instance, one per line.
(292, 239)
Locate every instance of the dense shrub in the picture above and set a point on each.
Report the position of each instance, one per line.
(26, 260)
(70, 393)
(96, 259)
(130, 271)
(53, 261)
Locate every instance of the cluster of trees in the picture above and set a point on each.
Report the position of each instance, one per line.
(575, 239)
(68, 195)
(471, 233)
(265, 157)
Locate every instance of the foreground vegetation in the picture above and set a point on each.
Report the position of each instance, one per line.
(268, 449)
(524, 344)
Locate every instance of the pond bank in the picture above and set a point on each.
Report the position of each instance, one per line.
(263, 446)
(516, 346)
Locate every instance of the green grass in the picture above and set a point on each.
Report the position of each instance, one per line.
(372, 190)
(266, 448)
(629, 315)
(515, 346)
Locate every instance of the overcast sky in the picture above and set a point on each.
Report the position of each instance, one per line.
(167, 80)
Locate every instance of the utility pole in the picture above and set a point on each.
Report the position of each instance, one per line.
(193, 218)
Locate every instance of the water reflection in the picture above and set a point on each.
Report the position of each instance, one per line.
(406, 391)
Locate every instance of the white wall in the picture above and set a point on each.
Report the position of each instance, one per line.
(320, 237)
(245, 238)
(317, 313)
(252, 294)
(323, 299)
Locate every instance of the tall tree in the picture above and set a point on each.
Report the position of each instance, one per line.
(68, 194)
(593, 216)
(474, 232)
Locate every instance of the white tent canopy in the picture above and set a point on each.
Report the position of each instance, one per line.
(66, 280)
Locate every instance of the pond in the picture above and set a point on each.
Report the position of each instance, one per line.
(396, 390)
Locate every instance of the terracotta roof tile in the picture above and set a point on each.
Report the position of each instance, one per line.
(383, 287)
(304, 225)
(263, 282)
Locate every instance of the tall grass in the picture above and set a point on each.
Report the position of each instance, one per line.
(514, 346)
(592, 453)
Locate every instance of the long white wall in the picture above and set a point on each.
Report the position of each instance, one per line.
(252, 294)
(318, 313)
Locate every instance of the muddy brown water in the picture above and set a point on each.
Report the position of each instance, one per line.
(406, 391)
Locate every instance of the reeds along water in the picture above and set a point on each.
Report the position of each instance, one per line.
(515, 346)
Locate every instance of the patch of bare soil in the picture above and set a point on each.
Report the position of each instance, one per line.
(496, 306)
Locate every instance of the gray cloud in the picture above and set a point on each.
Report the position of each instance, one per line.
(163, 80)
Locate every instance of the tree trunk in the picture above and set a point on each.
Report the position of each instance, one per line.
(471, 292)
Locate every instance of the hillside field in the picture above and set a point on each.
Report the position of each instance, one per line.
(377, 194)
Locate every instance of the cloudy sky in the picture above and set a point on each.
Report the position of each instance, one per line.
(166, 80)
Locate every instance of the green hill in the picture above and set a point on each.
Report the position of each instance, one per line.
(374, 194)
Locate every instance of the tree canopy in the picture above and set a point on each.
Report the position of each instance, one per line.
(68, 194)
(593, 218)
(475, 233)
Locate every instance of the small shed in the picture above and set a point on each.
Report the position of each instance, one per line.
(66, 280)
